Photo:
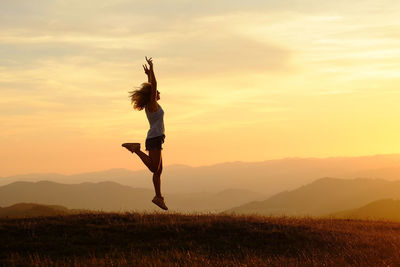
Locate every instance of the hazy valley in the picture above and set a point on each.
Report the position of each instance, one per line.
(267, 177)
(110, 196)
(291, 186)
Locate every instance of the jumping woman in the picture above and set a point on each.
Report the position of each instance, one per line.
(146, 97)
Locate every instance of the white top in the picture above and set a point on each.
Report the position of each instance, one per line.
(156, 121)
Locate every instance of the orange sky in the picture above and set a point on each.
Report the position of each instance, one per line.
(239, 81)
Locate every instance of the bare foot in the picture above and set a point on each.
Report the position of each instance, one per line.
(132, 147)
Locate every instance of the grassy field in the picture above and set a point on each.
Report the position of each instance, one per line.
(120, 239)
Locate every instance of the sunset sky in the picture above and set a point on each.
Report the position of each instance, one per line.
(239, 80)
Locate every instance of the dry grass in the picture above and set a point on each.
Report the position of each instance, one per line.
(121, 239)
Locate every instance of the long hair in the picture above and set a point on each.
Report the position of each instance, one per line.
(141, 96)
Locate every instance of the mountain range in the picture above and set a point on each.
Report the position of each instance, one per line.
(359, 198)
(268, 177)
(111, 196)
(323, 196)
(383, 209)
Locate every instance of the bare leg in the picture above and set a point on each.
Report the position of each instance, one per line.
(155, 156)
(135, 148)
(157, 180)
(146, 160)
(154, 162)
(156, 159)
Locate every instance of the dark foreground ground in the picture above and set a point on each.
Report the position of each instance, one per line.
(132, 239)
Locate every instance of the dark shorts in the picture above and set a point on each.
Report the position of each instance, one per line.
(155, 142)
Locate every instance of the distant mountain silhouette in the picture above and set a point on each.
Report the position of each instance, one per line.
(33, 210)
(110, 196)
(388, 173)
(100, 196)
(324, 196)
(383, 209)
(268, 177)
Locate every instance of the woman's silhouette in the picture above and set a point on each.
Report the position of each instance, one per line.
(146, 97)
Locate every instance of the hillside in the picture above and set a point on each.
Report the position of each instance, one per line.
(267, 177)
(324, 196)
(383, 209)
(133, 239)
(110, 196)
(33, 210)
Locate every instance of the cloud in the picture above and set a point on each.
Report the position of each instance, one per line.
(196, 45)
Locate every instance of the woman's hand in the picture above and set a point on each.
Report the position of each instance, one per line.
(150, 74)
(146, 70)
(150, 62)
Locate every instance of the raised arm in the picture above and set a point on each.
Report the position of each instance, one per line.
(151, 76)
(152, 80)
(147, 71)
